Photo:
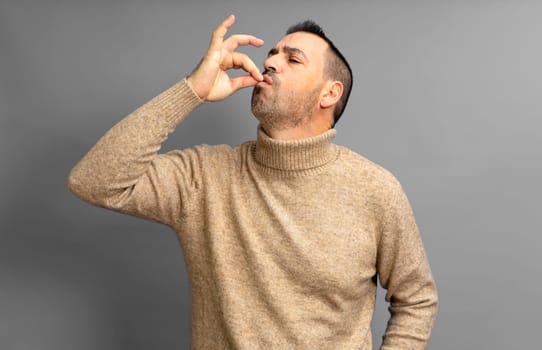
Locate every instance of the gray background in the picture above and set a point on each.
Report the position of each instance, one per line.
(446, 96)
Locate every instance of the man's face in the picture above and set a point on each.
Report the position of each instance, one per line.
(290, 92)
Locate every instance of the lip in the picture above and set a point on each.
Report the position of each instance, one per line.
(267, 79)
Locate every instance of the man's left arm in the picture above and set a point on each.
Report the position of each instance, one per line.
(404, 272)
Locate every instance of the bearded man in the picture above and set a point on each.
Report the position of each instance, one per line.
(284, 237)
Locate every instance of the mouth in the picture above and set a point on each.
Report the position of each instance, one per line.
(267, 79)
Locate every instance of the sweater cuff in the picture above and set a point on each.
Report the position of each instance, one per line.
(177, 102)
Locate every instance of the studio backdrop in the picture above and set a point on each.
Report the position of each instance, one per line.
(446, 96)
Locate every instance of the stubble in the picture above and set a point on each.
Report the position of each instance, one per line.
(280, 110)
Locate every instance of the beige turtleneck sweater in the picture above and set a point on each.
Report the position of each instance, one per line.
(283, 240)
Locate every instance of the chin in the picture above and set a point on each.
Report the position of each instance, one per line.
(259, 115)
(257, 108)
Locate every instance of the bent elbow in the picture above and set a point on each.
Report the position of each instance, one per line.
(87, 186)
(77, 185)
(83, 184)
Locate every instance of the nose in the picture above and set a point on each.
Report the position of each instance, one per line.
(270, 64)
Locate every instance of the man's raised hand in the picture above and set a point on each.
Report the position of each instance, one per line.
(210, 79)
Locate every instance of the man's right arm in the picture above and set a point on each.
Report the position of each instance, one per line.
(123, 170)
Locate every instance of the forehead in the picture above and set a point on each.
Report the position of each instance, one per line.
(311, 44)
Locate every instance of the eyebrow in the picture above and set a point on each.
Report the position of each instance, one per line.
(288, 49)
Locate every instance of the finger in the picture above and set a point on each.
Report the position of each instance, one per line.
(241, 60)
(237, 40)
(243, 82)
(220, 32)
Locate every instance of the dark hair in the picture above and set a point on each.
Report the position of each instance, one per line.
(336, 68)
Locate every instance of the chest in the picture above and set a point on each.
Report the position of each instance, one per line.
(312, 231)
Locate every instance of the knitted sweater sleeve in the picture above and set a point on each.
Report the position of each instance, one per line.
(124, 172)
(404, 271)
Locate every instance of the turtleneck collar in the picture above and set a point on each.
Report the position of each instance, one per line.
(295, 156)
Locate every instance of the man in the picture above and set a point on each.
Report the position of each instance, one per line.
(283, 237)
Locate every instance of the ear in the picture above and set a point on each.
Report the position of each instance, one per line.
(331, 94)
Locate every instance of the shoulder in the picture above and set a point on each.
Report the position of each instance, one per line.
(380, 189)
(212, 157)
(367, 172)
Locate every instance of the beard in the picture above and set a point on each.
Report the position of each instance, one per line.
(277, 109)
